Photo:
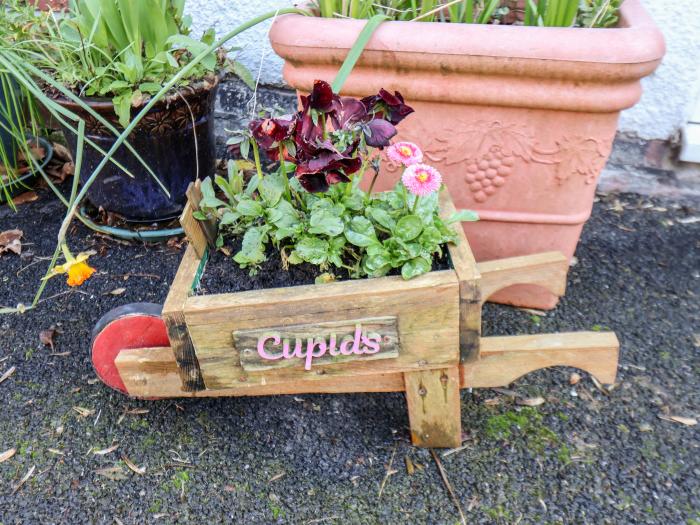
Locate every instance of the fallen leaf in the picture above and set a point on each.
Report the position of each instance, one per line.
(117, 291)
(688, 220)
(24, 479)
(276, 477)
(113, 473)
(10, 241)
(61, 152)
(530, 401)
(132, 466)
(410, 469)
(106, 451)
(46, 337)
(492, 401)
(687, 421)
(7, 454)
(645, 427)
(574, 378)
(84, 412)
(539, 313)
(55, 451)
(23, 198)
(7, 374)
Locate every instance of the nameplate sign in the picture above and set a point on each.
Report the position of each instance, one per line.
(308, 345)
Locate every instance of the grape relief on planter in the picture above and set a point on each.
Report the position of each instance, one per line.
(489, 151)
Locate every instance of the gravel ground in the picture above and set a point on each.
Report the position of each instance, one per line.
(583, 456)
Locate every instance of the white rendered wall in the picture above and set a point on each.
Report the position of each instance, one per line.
(669, 94)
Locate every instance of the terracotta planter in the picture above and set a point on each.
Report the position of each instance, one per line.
(520, 120)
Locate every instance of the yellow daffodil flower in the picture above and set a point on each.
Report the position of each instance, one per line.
(76, 267)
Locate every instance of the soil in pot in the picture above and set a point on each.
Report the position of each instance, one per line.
(222, 275)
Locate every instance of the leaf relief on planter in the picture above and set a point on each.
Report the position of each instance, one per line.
(309, 214)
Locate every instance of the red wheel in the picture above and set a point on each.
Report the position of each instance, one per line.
(137, 325)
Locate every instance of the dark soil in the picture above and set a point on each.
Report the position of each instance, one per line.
(222, 274)
(582, 457)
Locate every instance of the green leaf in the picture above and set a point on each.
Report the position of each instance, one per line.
(383, 218)
(252, 251)
(356, 50)
(324, 278)
(229, 217)
(199, 215)
(463, 216)
(244, 74)
(415, 267)
(323, 221)
(312, 250)
(360, 232)
(249, 208)
(408, 227)
(122, 107)
(271, 188)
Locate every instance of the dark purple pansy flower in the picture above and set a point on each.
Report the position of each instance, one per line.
(269, 132)
(321, 181)
(348, 111)
(322, 97)
(379, 132)
(388, 106)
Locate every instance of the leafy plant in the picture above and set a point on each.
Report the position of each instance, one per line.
(599, 13)
(117, 48)
(550, 13)
(312, 209)
(564, 13)
(19, 117)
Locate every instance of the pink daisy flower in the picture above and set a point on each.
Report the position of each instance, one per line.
(421, 179)
(405, 153)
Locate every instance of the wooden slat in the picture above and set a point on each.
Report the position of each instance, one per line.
(385, 331)
(173, 315)
(434, 407)
(469, 287)
(208, 227)
(547, 269)
(193, 230)
(153, 372)
(505, 359)
(427, 308)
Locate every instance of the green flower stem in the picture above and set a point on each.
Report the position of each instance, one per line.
(256, 155)
(61, 246)
(415, 205)
(283, 169)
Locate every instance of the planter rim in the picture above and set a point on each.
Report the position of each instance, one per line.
(635, 40)
(104, 104)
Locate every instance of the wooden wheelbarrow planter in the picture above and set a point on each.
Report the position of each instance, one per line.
(427, 331)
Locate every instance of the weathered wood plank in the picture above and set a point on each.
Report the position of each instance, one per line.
(153, 372)
(505, 359)
(208, 227)
(427, 309)
(434, 407)
(469, 287)
(173, 315)
(193, 230)
(547, 269)
(317, 344)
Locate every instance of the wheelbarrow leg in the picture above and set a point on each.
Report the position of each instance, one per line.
(434, 407)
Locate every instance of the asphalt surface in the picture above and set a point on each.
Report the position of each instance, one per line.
(582, 456)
